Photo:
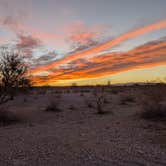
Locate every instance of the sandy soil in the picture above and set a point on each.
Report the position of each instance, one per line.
(77, 136)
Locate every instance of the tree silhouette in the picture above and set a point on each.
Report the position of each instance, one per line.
(13, 74)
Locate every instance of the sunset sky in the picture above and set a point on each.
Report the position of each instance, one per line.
(87, 41)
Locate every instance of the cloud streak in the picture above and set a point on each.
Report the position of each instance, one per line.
(102, 47)
(147, 55)
(27, 43)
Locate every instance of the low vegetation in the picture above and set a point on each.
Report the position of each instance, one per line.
(125, 99)
(153, 106)
(71, 107)
(54, 104)
(154, 112)
(8, 117)
(99, 96)
(53, 107)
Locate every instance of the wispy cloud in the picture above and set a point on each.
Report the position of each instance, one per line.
(102, 47)
(44, 59)
(27, 44)
(147, 55)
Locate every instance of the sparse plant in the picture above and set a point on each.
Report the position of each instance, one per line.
(90, 105)
(7, 117)
(42, 91)
(99, 98)
(81, 94)
(106, 101)
(88, 102)
(114, 91)
(71, 107)
(125, 99)
(152, 104)
(154, 112)
(58, 96)
(54, 105)
(25, 100)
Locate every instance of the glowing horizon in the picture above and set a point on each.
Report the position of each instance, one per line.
(85, 50)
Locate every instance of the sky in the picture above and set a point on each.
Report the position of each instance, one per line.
(87, 41)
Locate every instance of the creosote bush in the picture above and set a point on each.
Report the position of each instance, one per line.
(99, 96)
(71, 107)
(154, 112)
(88, 103)
(97, 99)
(153, 104)
(125, 99)
(7, 117)
(53, 105)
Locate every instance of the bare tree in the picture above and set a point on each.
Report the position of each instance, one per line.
(13, 74)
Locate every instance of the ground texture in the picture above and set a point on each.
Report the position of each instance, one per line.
(78, 136)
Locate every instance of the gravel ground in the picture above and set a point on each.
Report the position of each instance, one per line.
(77, 136)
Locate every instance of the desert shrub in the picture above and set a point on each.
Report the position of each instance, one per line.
(25, 100)
(99, 96)
(58, 96)
(35, 97)
(68, 91)
(88, 102)
(71, 107)
(152, 104)
(81, 94)
(154, 112)
(127, 99)
(97, 100)
(53, 107)
(54, 104)
(90, 105)
(7, 117)
(106, 101)
(42, 91)
(84, 90)
(58, 92)
(114, 91)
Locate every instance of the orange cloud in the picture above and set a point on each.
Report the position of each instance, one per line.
(81, 34)
(82, 37)
(148, 55)
(101, 47)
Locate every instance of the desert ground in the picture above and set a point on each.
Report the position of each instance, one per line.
(74, 134)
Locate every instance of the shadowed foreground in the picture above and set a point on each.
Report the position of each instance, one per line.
(78, 136)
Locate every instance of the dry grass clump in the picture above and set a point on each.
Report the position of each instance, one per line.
(125, 99)
(114, 91)
(53, 107)
(71, 107)
(82, 94)
(7, 117)
(153, 104)
(88, 102)
(154, 112)
(54, 104)
(42, 91)
(25, 100)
